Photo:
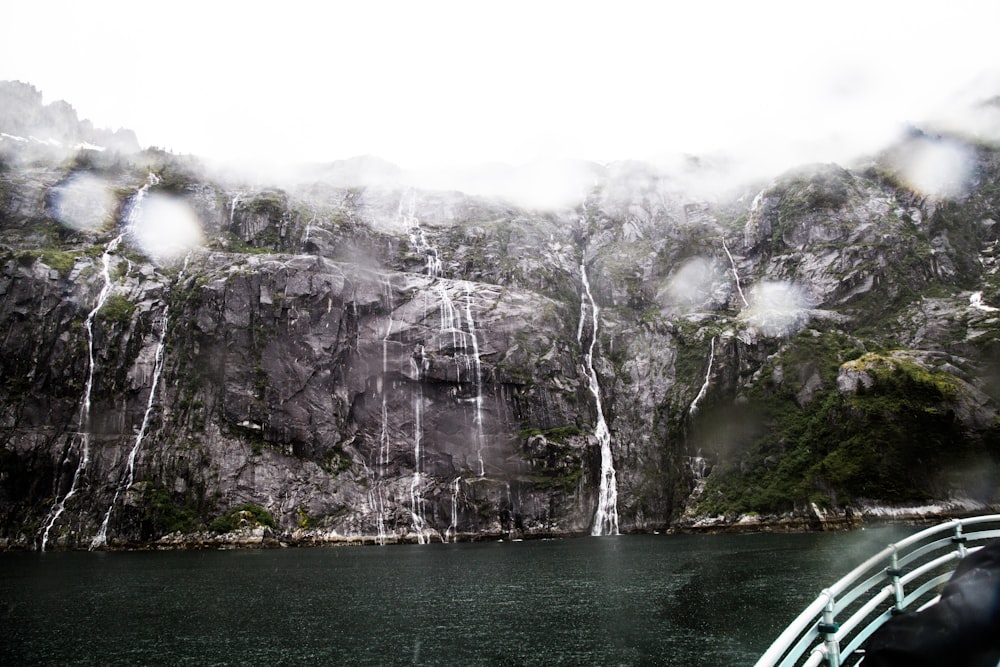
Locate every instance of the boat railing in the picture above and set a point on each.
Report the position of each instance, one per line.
(905, 575)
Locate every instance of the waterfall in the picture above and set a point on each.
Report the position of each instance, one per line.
(698, 467)
(383, 448)
(478, 374)
(101, 538)
(418, 239)
(232, 208)
(704, 385)
(416, 497)
(448, 317)
(83, 423)
(378, 507)
(102, 535)
(976, 303)
(84, 419)
(452, 532)
(606, 517)
(308, 229)
(736, 274)
(378, 500)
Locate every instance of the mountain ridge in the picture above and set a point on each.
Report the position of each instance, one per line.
(382, 363)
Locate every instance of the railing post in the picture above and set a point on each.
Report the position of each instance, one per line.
(959, 539)
(897, 584)
(828, 628)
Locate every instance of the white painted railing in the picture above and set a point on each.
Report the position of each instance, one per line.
(907, 574)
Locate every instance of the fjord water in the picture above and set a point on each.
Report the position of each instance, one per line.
(684, 600)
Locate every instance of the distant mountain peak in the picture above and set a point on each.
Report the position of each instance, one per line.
(24, 118)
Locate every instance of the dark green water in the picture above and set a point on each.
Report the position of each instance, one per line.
(638, 600)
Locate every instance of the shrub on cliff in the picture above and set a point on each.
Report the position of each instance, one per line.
(247, 515)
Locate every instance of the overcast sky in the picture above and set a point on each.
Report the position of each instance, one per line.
(432, 83)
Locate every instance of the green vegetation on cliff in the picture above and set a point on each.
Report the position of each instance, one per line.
(895, 437)
(247, 515)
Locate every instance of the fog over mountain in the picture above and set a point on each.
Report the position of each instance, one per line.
(354, 351)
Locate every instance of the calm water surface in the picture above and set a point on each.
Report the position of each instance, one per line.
(681, 600)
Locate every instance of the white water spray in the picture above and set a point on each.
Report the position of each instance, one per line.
(976, 303)
(606, 517)
(704, 386)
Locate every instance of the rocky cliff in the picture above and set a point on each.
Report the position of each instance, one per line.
(185, 354)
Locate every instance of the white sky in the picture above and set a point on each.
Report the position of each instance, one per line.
(436, 83)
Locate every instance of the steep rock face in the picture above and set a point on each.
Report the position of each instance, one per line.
(47, 128)
(383, 363)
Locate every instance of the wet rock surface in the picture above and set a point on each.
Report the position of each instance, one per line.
(377, 364)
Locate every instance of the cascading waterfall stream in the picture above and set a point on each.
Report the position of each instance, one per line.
(101, 538)
(976, 303)
(102, 535)
(84, 419)
(704, 385)
(416, 495)
(698, 467)
(308, 229)
(450, 323)
(83, 423)
(418, 239)
(478, 374)
(606, 517)
(452, 532)
(378, 499)
(736, 274)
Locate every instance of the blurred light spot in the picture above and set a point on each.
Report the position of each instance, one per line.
(691, 285)
(166, 229)
(83, 202)
(776, 309)
(937, 168)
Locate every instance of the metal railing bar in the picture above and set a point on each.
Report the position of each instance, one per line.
(862, 635)
(929, 566)
(930, 547)
(800, 647)
(795, 628)
(863, 612)
(803, 631)
(925, 587)
(845, 600)
(933, 601)
(817, 656)
(983, 535)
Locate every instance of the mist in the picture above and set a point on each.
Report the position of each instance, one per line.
(517, 103)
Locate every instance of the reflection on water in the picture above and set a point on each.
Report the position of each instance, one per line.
(668, 600)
